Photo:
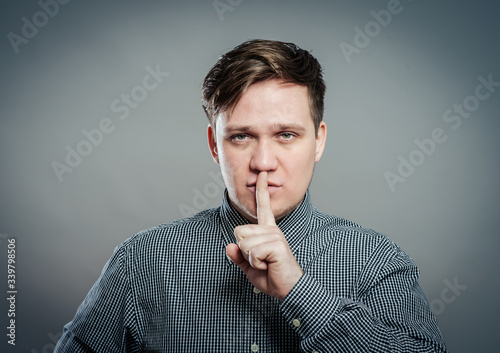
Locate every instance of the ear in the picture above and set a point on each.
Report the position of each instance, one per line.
(320, 141)
(212, 143)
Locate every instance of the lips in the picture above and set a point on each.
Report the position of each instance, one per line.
(270, 186)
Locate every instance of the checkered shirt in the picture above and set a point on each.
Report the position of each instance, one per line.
(172, 288)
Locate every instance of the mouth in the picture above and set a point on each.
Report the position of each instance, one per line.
(270, 186)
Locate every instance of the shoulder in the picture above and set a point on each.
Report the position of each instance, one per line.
(168, 234)
(350, 235)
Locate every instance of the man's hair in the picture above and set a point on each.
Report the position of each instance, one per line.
(259, 60)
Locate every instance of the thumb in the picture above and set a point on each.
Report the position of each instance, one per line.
(234, 254)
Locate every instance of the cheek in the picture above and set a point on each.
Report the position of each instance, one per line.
(227, 162)
(232, 166)
(302, 160)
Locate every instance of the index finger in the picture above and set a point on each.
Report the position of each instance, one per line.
(265, 214)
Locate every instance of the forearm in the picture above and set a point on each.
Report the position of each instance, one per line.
(326, 323)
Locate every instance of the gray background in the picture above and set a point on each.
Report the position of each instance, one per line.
(153, 164)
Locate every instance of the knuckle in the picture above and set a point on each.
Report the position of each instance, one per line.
(277, 237)
(242, 245)
(282, 247)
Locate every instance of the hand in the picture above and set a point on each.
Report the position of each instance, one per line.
(263, 253)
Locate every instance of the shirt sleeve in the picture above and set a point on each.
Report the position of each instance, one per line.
(105, 320)
(388, 311)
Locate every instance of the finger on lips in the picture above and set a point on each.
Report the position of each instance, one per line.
(265, 214)
(250, 237)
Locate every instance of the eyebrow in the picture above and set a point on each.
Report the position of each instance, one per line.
(230, 129)
(278, 126)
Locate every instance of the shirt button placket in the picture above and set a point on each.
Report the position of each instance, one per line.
(255, 347)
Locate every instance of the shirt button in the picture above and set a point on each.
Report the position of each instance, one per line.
(256, 291)
(296, 323)
(254, 348)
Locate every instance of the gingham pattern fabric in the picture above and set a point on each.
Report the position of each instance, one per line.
(172, 289)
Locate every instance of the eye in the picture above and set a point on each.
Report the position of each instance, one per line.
(286, 136)
(239, 137)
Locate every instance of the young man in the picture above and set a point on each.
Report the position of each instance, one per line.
(266, 271)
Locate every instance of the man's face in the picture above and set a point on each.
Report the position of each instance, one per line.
(270, 129)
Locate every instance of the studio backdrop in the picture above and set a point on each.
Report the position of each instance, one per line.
(102, 135)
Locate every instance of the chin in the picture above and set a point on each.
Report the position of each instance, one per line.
(250, 215)
(249, 211)
(280, 214)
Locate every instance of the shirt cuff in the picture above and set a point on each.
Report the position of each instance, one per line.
(308, 307)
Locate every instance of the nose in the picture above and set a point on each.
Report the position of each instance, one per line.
(264, 157)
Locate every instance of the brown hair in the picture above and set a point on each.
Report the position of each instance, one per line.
(259, 60)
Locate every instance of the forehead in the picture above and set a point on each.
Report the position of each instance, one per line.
(270, 103)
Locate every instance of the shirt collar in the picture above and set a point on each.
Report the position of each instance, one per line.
(295, 226)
